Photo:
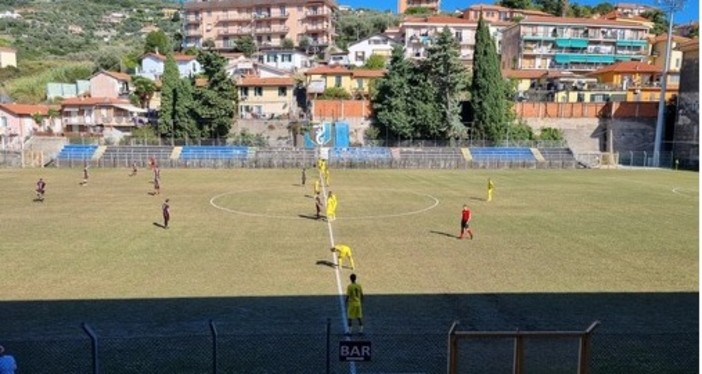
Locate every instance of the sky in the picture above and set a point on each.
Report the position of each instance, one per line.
(691, 11)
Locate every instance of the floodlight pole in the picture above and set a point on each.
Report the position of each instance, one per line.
(672, 6)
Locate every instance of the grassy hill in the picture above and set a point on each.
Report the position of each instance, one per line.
(52, 34)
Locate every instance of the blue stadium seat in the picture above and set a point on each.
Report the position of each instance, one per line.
(502, 154)
(214, 153)
(77, 152)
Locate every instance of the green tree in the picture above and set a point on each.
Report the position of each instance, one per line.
(287, 43)
(158, 41)
(246, 45)
(602, 8)
(425, 109)
(107, 61)
(450, 78)
(390, 102)
(209, 43)
(660, 21)
(144, 90)
(216, 102)
(550, 6)
(375, 62)
(489, 101)
(175, 117)
(551, 133)
(335, 93)
(304, 42)
(418, 11)
(516, 4)
(579, 11)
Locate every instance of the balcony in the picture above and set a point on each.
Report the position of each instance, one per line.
(322, 27)
(193, 32)
(236, 32)
(225, 44)
(272, 30)
(193, 20)
(234, 19)
(270, 16)
(318, 14)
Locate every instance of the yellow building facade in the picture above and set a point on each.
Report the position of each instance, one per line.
(265, 98)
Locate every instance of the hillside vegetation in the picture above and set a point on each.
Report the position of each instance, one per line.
(59, 36)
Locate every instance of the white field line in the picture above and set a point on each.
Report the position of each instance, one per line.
(337, 273)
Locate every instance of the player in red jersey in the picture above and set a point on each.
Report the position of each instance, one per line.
(465, 222)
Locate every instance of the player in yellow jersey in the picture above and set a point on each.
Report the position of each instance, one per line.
(490, 189)
(317, 186)
(354, 304)
(343, 252)
(331, 207)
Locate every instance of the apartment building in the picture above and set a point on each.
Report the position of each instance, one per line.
(403, 5)
(418, 34)
(572, 44)
(657, 58)
(268, 22)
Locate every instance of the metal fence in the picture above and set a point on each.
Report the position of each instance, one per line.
(227, 347)
(10, 159)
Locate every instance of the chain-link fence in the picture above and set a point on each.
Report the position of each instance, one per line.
(10, 159)
(304, 347)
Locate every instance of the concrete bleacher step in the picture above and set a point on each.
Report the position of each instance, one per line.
(537, 155)
(175, 154)
(99, 152)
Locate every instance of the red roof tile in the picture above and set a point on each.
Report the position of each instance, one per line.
(25, 109)
(328, 70)
(442, 20)
(176, 56)
(93, 101)
(676, 38)
(523, 74)
(116, 75)
(7, 49)
(577, 21)
(628, 67)
(368, 73)
(256, 81)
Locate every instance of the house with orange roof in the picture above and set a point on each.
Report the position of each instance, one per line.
(579, 45)
(269, 97)
(8, 57)
(497, 13)
(113, 84)
(618, 15)
(657, 58)
(357, 82)
(152, 65)
(17, 123)
(100, 115)
(640, 80)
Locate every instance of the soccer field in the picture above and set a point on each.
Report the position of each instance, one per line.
(554, 250)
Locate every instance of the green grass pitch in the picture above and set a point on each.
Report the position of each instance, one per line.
(558, 248)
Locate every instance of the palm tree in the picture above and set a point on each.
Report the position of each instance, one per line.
(144, 90)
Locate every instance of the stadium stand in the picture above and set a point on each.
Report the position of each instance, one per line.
(557, 154)
(360, 154)
(502, 154)
(125, 155)
(214, 153)
(77, 152)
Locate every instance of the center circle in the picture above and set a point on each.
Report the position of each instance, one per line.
(353, 203)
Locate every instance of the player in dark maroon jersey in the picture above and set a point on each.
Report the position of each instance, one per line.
(41, 188)
(318, 204)
(134, 169)
(157, 186)
(86, 175)
(166, 209)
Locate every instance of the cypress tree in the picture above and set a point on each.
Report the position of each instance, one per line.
(217, 101)
(490, 103)
(450, 78)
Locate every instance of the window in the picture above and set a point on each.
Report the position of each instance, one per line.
(360, 56)
(282, 91)
(674, 79)
(259, 39)
(244, 91)
(337, 81)
(272, 58)
(258, 91)
(283, 10)
(286, 57)
(458, 35)
(359, 83)
(677, 63)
